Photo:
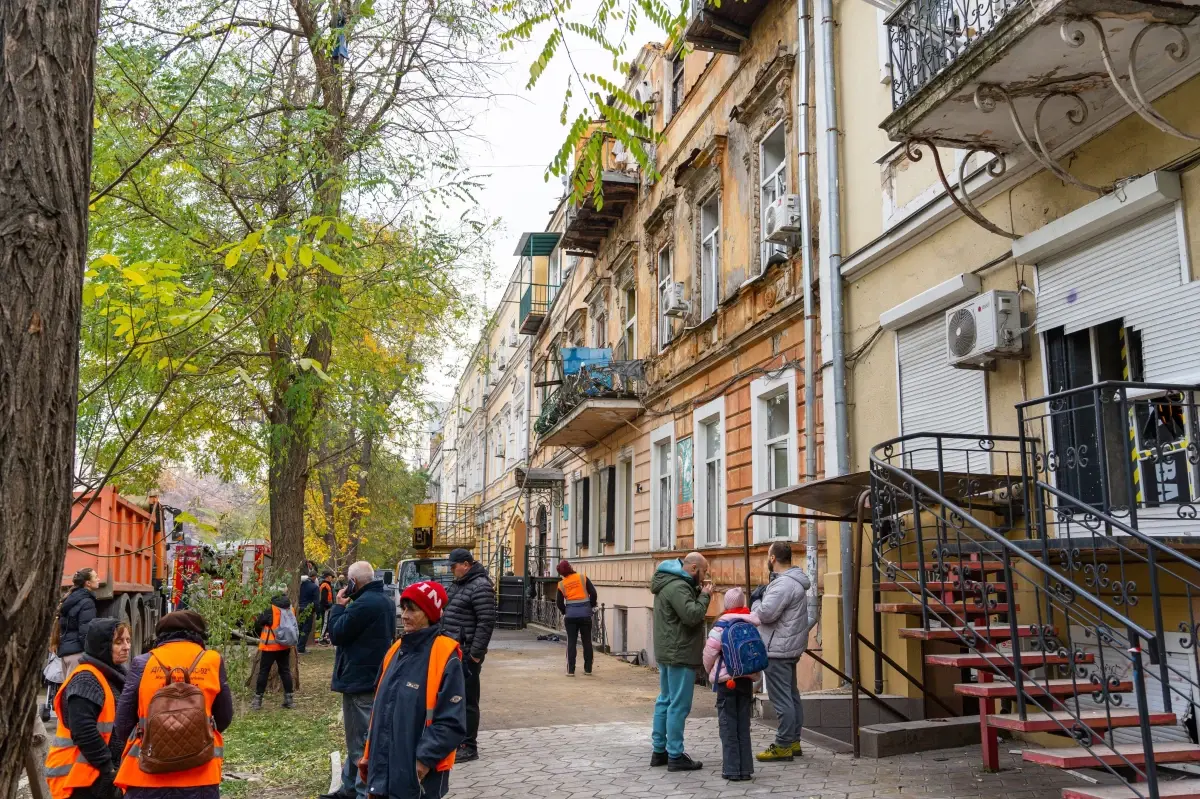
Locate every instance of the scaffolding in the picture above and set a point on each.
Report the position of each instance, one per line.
(446, 526)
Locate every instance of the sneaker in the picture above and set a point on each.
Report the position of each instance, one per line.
(570, 674)
(288, 701)
(796, 750)
(775, 754)
(466, 754)
(256, 703)
(587, 672)
(683, 763)
(658, 759)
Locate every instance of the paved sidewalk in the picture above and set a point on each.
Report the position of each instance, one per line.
(611, 760)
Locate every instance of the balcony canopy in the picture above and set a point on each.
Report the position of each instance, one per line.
(537, 244)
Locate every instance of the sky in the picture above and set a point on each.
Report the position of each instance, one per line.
(518, 134)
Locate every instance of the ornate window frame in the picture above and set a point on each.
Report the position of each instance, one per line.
(699, 180)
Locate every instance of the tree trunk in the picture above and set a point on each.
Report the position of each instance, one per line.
(47, 60)
(286, 485)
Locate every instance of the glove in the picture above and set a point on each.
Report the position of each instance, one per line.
(103, 787)
(757, 594)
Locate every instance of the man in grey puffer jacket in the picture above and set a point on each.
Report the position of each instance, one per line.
(783, 611)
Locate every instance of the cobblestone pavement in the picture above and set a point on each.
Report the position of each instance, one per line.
(611, 760)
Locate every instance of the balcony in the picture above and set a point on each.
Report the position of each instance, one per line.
(588, 224)
(998, 75)
(591, 404)
(722, 28)
(539, 279)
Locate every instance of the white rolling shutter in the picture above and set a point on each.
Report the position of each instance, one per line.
(937, 398)
(1135, 274)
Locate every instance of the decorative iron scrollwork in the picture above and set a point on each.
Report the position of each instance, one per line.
(958, 194)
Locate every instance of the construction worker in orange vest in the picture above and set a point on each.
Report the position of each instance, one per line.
(576, 599)
(411, 744)
(278, 631)
(80, 763)
(179, 647)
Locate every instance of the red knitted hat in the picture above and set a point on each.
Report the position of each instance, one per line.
(429, 597)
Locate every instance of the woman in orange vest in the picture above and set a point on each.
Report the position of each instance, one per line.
(80, 763)
(180, 640)
(411, 744)
(271, 652)
(576, 599)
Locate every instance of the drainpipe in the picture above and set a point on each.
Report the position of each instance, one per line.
(528, 445)
(804, 15)
(834, 277)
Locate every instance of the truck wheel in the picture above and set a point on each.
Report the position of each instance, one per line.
(137, 628)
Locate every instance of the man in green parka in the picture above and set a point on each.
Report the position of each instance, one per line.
(682, 592)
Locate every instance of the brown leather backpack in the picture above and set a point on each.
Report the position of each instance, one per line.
(176, 734)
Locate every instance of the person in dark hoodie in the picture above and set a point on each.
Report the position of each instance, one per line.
(179, 638)
(272, 651)
(81, 763)
(362, 625)
(420, 718)
(74, 616)
(310, 597)
(470, 619)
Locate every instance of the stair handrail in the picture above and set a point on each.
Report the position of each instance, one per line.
(1009, 546)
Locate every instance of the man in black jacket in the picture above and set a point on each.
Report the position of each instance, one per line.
(470, 618)
(362, 625)
(310, 597)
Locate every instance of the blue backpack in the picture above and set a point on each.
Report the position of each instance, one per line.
(742, 649)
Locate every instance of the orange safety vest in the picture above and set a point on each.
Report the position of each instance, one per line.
(207, 677)
(444, 648)
(268, 635)
(66, 767)
(574, 590)
(326, 593)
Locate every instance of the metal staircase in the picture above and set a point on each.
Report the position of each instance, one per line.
(1050, 569)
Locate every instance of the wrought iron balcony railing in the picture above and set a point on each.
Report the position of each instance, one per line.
(614, 380)
(537, 299)
(927, 36)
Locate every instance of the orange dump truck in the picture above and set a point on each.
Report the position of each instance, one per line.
(124, 541)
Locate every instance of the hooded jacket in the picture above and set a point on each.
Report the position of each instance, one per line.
(362, 631)
(310, 593)
(783, 611)
(74, 616)
(398, 735)
(264, 619)
(679, 610)
(84, 699)
(470, 614)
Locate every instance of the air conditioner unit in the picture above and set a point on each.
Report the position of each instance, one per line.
(512, 339)
(500, 363)
(781, 220)
(674, 303)
(984, 328)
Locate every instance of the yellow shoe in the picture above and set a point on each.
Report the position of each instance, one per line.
(796, 750)
(775, 754)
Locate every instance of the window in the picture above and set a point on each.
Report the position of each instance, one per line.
(662, 497)
(665, 279)
(774, 460)
(772, 160)
(625, 499)
(629, 322)
(709, 435)
(600, 330)
(580, 514)
(710, 255)
(604, 500)
(676, 84)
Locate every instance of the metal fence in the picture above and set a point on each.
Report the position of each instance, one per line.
(545, 612)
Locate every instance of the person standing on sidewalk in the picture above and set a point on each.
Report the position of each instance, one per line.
(470, 618)
(310, 597)
(326, 603)
(783, 612)
(74, 615)
(276, 630)
(682, 592)
(362, 625)
(735, 694)
(576, 600)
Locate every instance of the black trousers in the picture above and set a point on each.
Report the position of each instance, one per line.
(282, 661)
(733, 719)
(306, 628)
(577, 628)
(471, 671)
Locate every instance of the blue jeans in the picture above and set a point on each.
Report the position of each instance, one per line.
(356, 715)
(675, 684)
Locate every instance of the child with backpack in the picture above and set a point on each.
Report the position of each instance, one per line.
(734, 655)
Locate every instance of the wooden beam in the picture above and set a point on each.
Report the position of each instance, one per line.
(715, 45)
(726, 26)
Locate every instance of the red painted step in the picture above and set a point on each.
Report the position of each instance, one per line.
(1092, 719)
(937, 606)
(983, 660)
(1172, 789)
(1102, 755)
(996, 632)
(1006, 690)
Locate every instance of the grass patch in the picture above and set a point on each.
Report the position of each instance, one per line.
(287, 748)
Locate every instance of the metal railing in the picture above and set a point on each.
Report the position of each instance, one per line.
(927, 36)
(959, 538)
(537, 299)
(614, 380)
(545, 612)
